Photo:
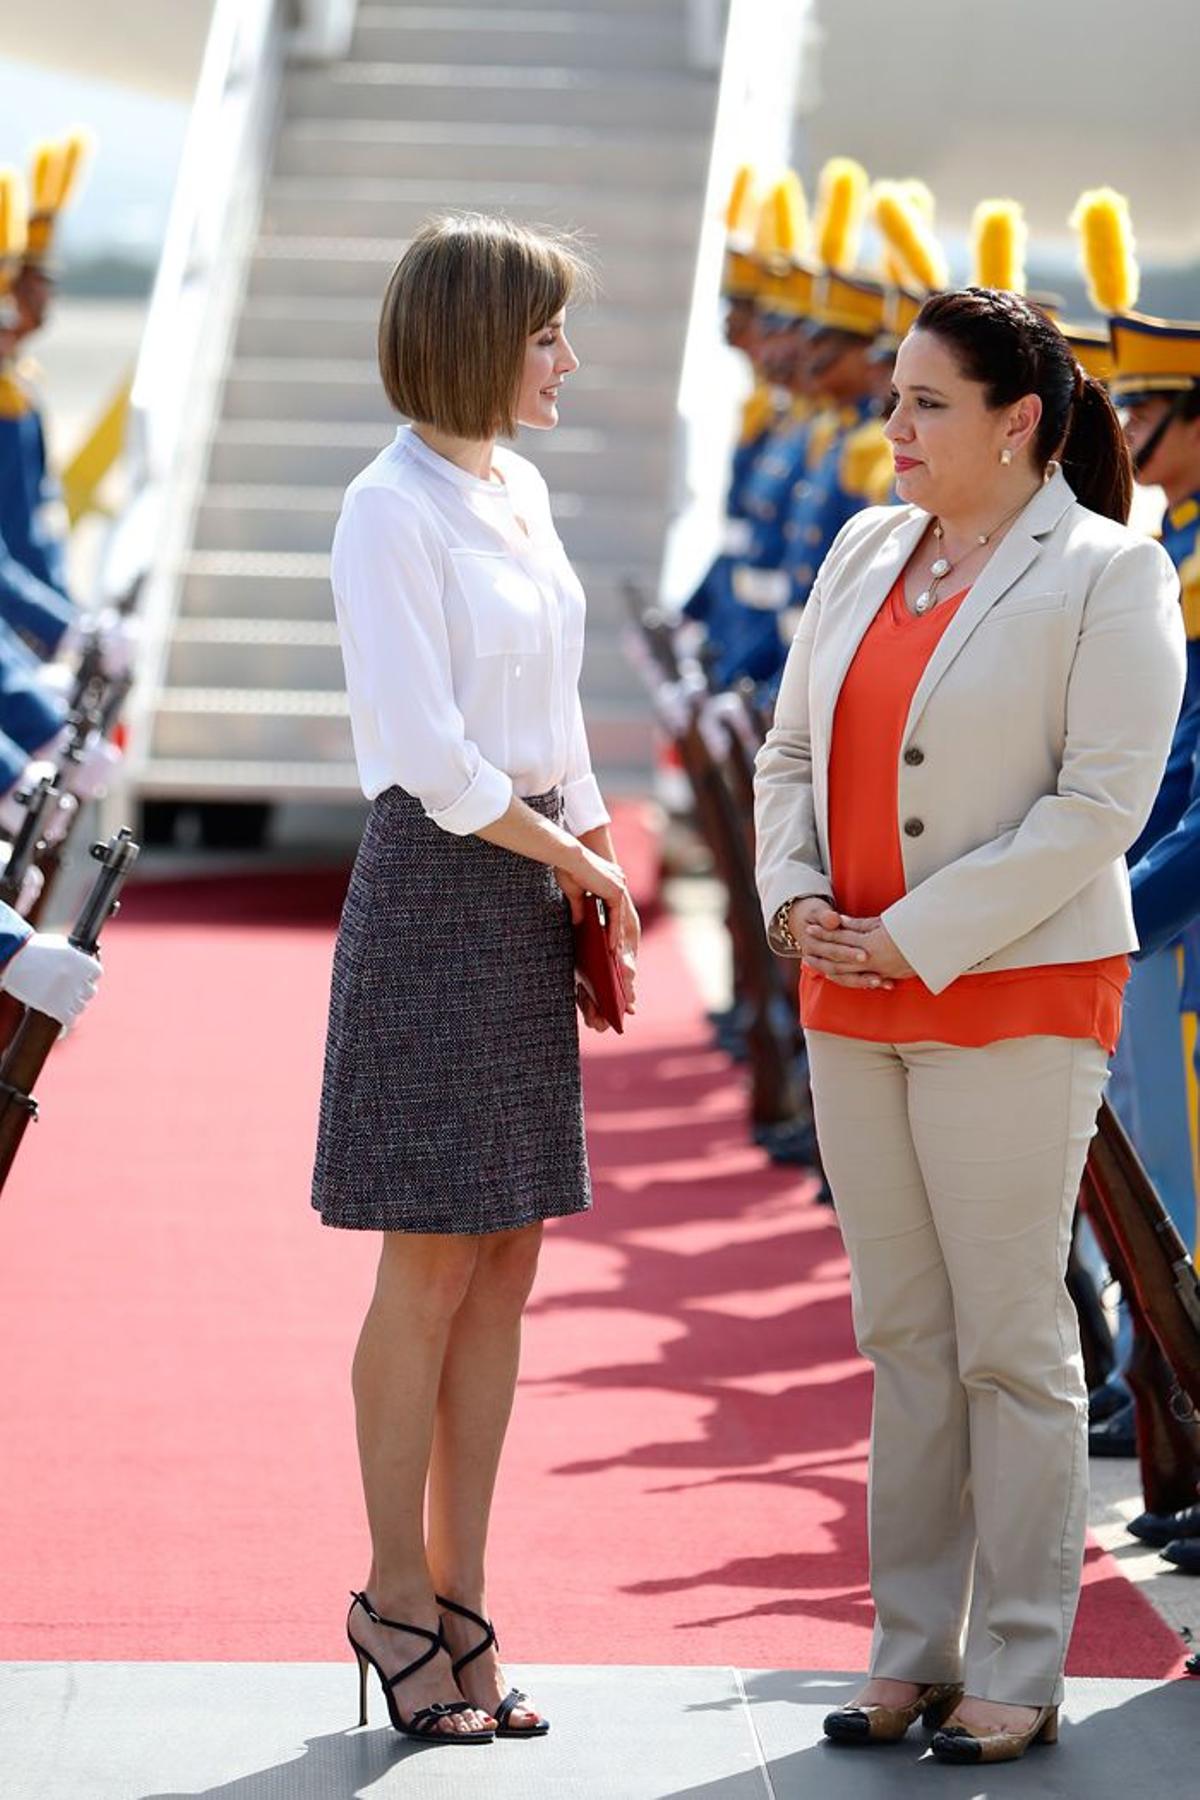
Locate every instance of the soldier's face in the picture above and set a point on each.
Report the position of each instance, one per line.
(1173, 461)
(33, 292)
(741, 325)
(840, 367)
(946, 442)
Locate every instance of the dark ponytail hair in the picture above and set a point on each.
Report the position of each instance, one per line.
(1012, 348)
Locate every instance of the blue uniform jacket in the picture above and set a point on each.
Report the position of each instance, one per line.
(29, 604)
(1165, 861)
(746, 637)
(13, 932)
(29, 713)
(30, 496)
(711, 599)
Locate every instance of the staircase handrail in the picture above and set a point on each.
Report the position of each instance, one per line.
(191, 316)
(755, 123)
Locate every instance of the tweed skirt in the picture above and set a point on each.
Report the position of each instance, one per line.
(451, 1099)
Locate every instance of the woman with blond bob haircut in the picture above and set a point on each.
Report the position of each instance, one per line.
(451, 1115)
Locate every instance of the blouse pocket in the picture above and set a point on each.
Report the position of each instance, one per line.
(503, 603)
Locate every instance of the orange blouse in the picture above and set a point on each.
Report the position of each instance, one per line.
(1076, 1000)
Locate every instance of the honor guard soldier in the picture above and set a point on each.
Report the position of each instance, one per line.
(761, 478)
(32, 515)
(857, 325)
(746, 328)
(1156, 384)
(763, 583)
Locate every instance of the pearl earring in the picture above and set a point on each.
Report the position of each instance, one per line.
(1006, 457)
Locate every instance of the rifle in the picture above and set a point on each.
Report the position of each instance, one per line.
(38, 802)
(35, 1037)
(715, 749)
(1095, 1335)
(1162, 1290)
(29, 842)
(81, 724)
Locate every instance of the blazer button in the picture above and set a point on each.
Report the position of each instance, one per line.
(914, 757)
(913, 827)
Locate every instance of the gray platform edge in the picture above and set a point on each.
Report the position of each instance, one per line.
(271, 1731)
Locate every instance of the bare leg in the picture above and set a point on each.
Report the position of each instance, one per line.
(421, 1283)
(479, 1378)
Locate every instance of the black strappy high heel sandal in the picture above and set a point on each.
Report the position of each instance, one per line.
(514, 1697)
(424, 1722)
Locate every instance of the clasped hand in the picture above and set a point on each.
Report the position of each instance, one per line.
(852, 952)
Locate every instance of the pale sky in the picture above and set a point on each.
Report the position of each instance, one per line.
(123, 203)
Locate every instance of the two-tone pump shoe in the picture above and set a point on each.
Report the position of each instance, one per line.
(956, 1743)
(888, 1724)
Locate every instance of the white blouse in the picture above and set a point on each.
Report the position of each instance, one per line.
(461, 625)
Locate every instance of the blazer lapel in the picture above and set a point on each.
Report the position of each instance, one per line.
(874, 587)
(1007, 566)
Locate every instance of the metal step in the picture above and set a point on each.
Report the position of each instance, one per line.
(221, 778)
(275, 388)
(305, 653)
(368, 207)
(307, 266)
(265, 725)
(547, 36)
(656, 100)
(257, 517)
(264, 586)
(276, 325)
(619, 9)
(454, 151)
(309, 453)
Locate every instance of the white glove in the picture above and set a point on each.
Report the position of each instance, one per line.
(89, 778)
(57, 824)
(118, 634)
(50, 975)
(32, 882)
(12, 810)
(57, 678)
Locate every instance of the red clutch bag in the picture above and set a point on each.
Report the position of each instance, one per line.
(598, 964)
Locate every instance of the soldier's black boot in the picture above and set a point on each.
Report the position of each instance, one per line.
(1162, 1529)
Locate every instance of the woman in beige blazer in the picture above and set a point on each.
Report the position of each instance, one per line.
(970, 732)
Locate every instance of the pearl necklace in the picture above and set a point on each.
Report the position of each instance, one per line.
(942, 566)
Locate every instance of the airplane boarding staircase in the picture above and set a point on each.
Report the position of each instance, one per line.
(589, 115)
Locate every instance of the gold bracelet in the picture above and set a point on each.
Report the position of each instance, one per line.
(781, 929)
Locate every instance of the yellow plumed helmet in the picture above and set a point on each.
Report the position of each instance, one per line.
(999, 235)
(841, 206)
(45, 177)
(75, 150)
(1101, 217)
(54, 175)
(13, 216)
(921, 196)
(782, 220)
(910, 243)
(741, 213)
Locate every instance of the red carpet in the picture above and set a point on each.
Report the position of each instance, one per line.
(684, 1482)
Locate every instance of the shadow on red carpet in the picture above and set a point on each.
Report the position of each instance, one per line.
(685, 1476)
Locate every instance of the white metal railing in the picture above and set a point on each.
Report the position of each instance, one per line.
(761, 68)
(323, 30)
(192, 311)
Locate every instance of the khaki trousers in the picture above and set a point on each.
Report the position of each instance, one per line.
(955, 1173)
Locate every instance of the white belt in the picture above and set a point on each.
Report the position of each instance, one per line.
(736, 537)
